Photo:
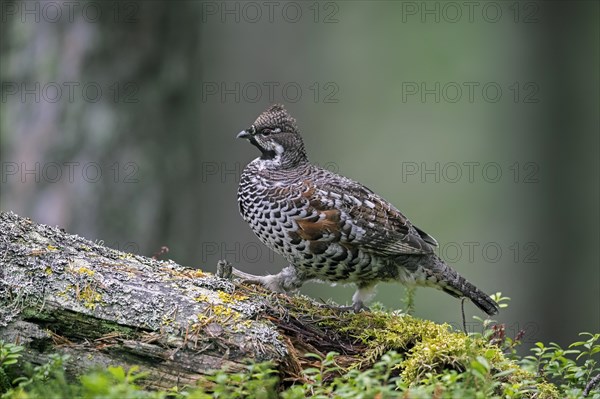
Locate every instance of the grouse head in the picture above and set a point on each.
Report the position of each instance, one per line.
(276, 135)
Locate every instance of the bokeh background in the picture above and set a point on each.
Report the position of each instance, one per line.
(479, 120)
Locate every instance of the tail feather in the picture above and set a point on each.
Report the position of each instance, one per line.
(454, 284)
(478, 297)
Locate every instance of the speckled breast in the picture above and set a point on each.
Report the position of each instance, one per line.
(273, 210)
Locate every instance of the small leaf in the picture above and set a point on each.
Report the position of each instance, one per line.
(117, 372)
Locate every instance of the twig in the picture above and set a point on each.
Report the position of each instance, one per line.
(593, 382)
(410, 300)
(462, 310)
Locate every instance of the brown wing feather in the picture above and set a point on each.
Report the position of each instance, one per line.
(343, 211)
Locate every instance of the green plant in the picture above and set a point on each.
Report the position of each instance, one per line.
(9, 356)
(412, 359)
(257, 380)
(561, 365)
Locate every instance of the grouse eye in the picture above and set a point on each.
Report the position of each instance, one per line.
(266, 131)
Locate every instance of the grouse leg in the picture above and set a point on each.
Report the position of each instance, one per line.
(287, 280)
(363, 293)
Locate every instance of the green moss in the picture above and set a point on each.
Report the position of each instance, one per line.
(432, 359)
(381, 332)
(380, 329)
(429, 349)
(34, 313)
(547, 391)
(447, 351)
(68, 323)
(429, 354)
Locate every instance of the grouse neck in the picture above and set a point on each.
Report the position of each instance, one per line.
(282, 161)
(291, 161)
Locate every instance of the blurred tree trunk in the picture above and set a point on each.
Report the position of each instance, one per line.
(114, 89)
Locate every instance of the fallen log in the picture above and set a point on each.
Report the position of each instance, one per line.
(60, 293)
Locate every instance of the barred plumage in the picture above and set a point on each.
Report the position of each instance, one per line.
(331, 228)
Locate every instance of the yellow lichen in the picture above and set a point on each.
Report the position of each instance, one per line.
(89, 296)
(167, 320)
(229, 298)
(225, 312)
(185, 273)
(245, 324)
(84, 270)
(65, 293)
(201, 298)
(202, 317)
(196, 273)
(217, 314)
(203, 321)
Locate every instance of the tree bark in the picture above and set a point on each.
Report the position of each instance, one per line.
(62, 293)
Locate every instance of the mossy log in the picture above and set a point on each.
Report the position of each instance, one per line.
(62, 293)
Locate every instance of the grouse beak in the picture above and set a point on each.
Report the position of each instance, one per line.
(244, 134)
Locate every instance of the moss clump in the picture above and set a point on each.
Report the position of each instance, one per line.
(430, 350)
(383, 331)
(547, 391)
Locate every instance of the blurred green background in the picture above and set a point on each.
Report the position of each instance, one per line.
(479, 120)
